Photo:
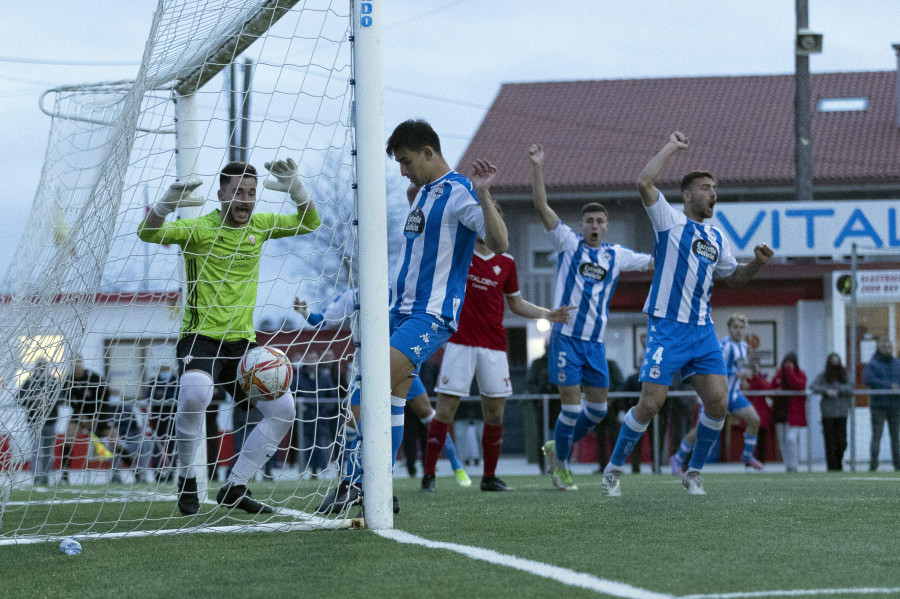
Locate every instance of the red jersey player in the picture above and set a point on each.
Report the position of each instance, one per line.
(478, 348)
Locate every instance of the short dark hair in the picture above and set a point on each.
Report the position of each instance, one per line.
(594, 207)
(413, 135)
(235, 169)
(691, 176)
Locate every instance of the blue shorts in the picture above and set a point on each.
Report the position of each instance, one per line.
(415, 390)
(573, 361)
(737, 401)
(417, 336)
(674, 346)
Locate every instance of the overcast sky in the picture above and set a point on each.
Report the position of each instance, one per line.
(445, 60)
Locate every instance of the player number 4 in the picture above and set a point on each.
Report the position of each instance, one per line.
(657, 355)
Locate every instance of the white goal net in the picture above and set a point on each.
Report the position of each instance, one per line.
(82, 456)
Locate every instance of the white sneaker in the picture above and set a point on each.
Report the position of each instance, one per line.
(693, 482)
(610, 483)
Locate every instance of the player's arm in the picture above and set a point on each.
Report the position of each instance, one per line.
(538, 190)
(744, 272)
(522, 307)
(495, 234)
(646, 182)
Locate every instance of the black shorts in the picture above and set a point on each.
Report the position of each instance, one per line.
(217, 357)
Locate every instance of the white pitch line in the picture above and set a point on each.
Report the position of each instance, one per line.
(563, 575)
(797, 593)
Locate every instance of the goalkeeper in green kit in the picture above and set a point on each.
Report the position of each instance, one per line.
(221, 256)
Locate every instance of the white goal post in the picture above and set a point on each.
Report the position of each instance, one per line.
(85, 294)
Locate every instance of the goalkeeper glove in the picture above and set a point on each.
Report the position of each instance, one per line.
(286, 179)
(179, 195)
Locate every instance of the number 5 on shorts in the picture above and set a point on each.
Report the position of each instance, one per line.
(561, 360)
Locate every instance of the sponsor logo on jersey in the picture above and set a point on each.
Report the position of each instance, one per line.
(425, 337)
(705, 250)
(589, 270)
(415, 224)
(417, 349)
(482, 280)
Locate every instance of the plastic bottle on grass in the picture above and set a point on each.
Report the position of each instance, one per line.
(70, 547)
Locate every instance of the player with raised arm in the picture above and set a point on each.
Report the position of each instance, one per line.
(221, 254)
(734, 351)
(587, 274)
(448, 214)
(680, 333)
(478, 349)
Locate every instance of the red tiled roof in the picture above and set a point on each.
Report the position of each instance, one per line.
(599, 134)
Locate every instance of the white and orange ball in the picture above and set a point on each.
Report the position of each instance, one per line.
(264, 373)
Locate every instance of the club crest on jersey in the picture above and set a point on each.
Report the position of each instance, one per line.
(589, 270)
(252, 239)
(415, 224)
(562, 377)
(705, 250)
(497, 270)
(655, 372)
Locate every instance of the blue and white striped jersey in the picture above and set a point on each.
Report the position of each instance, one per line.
(735, 355)
(441, 228)
(687, 256)
(586, 277)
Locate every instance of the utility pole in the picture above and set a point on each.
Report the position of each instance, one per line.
(802, 114)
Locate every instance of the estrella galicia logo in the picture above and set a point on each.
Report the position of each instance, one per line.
(589, 270)
(705, 250)
(415, 224)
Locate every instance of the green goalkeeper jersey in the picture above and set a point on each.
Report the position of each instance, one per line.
(222, 267)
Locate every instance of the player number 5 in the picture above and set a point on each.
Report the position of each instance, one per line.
(561, 362)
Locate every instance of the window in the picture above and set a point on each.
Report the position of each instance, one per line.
(843, 104)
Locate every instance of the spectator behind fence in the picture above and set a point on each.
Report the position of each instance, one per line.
(789, 411)
(36, 394)
(162, 391)
(883, 372)
(91, 415)
(836, 391)
(763, 406)
(538, 383)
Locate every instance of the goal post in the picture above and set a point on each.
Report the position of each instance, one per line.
(86, 294)
(373, 351)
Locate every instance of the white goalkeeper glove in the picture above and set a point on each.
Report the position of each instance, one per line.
(286, 179)
(179, 195)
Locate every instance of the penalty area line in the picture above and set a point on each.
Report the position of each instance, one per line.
(557, 573)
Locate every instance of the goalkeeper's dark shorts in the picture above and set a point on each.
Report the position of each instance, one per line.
(216, 357)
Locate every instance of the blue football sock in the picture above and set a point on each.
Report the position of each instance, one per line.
(749, 447)
(684, 449)
(588, 420)
(353, 465)
(631, 431)
(450, 453)
(708, 430)
(397, 406)
(563, 432)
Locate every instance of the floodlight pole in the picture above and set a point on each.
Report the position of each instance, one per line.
(374, 356)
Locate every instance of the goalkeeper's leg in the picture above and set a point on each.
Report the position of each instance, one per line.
(193, 399)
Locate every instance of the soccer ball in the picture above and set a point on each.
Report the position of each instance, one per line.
(264, 373)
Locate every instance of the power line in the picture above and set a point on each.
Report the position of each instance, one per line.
(61, 62)
(423, 15)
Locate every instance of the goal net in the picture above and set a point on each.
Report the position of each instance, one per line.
(81, 458)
